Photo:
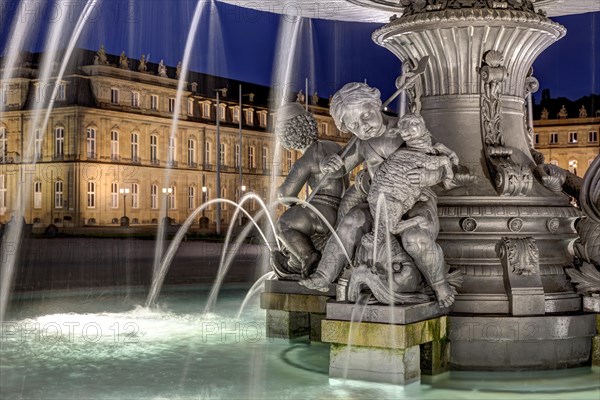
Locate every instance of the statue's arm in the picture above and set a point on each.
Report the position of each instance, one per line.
(296, 178)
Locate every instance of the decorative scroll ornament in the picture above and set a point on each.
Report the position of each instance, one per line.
(521, 255)
(510, 178)
(412, 7)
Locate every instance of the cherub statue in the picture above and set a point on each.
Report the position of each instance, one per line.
(123, 61)
(178, 70)
(545, 114)
(101, 54)
(143, 67)
(300, 97)
(582, 112)
(356, 108)
(162, 69)
(563, 112)
(315, 98)
(299, 228)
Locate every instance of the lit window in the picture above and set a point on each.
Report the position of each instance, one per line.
(2, 194)
(572, 137)
(59, 142)
(222, 154)
(191, 152)
(58, 194)
(192, 197)
(153, 149)
(154, 197)
(37, 194)
(135, 195)
(173, 198)
(61, 92)
(190, 108)
(38, 144)
(207, 152)
(553, 138)
(251, 154)
(114, 195)
(554, 162)
(114, 145)
(288, 155)
(154, 102)
(91, 194)
(114, 96)
(324, 128)
(592, 136)
(135, 99)
(573, 166)
(171, 150)
(206, 109)
(249, 115)
(265, 158)
(91, 142)
(238, 162)
(134, 147)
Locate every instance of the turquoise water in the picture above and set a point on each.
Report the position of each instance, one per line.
(103, 345)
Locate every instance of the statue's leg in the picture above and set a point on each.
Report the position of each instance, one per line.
(427, 255)
(352, 198)
(294, 229)
(356, 223)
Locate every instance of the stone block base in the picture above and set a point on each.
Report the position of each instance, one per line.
(505, 343)
(286, 324)
(591, 304)
(596, 351)
(315, 326)
(398, 366)
(435, 357)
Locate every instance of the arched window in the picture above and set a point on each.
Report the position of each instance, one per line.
(114, 195)
(59, 142)
(3, 143)
(135, 195)
(58, 194)
(91, 142)
(135, 155)
(191, 152)
(37, 194)
(91, 194)
(114, 145)
(173, 198)
(154, 196)
(153, 149)
(192, 197)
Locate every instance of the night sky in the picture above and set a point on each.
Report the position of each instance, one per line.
(241, 44)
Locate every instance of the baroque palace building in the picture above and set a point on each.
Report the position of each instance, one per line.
(110, 129)
(568, 135)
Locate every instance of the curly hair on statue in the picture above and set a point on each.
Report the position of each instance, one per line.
(297, 130)
(352, 94)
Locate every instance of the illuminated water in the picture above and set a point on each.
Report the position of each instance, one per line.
(109, 348)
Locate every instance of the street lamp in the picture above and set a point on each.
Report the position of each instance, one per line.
(204, 190)
(167, 192)
(124, 219)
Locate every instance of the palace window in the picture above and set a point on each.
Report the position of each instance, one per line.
(288, 156)
(58, 194)
(114, 96)
(61, 92)
(153, 149)
(59, 142)
(38, 144)
(262, 118)
(249, 116)
(154, 197)
(235, 114)
(37, 194)
(238, 162)
(592, 136)
(171, 153)
(572, 137)
(114, 195)
(190, 107)
(536, 138)
(191, 152)
(171, 105)
(222, 108)
(135, 99)
(207, 152)
(114, 145)
(134, 147)
(222, 153)
(573, 166)
(192, 197)
(154, 102)
(91, 194)
(135, 195)
(265, 158)
(206, 109)
(173, 197)
(251, 154)
(553, 138)
(91, 142)
(224, 196)
(3, 142)
(2, 193)
(324, 128)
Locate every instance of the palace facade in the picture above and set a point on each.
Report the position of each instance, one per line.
(110, 129)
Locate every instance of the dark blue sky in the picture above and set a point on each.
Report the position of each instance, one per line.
(241, 44)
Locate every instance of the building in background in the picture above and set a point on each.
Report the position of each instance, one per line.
(567, 132)
(110, 129)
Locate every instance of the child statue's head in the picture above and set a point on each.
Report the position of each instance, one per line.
(295, 127)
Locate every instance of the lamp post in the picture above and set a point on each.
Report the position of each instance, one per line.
(218, 140)
(124, 219)
(204, 190)
(167, 192)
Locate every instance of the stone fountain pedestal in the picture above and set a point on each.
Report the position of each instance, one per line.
(390, 344)
(293, 310)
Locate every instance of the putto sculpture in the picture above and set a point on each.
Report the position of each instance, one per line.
(301, 230)
(380, 138)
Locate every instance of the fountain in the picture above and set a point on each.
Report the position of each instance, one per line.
(461, 270)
